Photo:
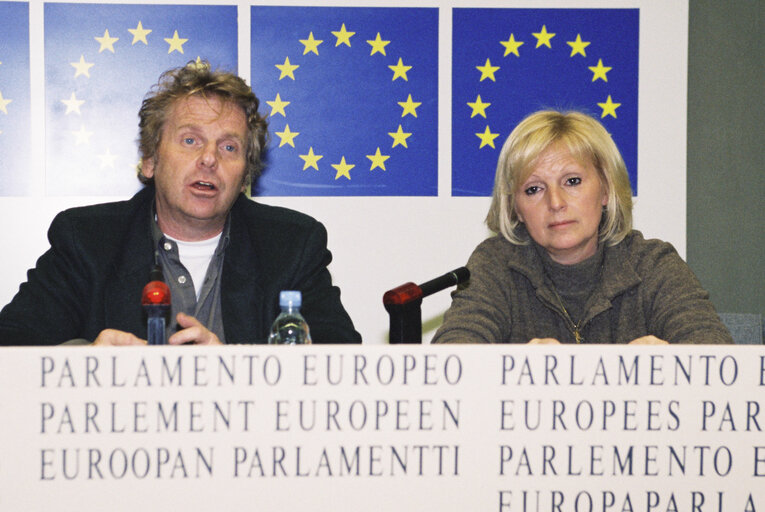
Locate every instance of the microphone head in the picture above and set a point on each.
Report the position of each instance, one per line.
(156, 293)
(404, 294)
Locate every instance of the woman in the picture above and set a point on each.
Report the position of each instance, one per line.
(568, 268)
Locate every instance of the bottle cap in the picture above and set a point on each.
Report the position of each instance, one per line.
(290, 298)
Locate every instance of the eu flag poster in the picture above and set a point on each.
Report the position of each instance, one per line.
(100, 61)
(351, 96)
(15, 172)
(508, 63)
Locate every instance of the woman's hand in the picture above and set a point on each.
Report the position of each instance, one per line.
(648, 340)
(544, 341)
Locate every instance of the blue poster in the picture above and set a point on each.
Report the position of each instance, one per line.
(15, 147)
(351, 96)
(508, 63)
(100, 61)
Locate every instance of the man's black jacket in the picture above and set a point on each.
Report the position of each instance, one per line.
(93, 275)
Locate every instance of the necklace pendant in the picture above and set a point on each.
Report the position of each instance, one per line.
(577, 336)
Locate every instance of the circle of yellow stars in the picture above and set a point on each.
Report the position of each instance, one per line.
(543, 39)
(311, 159)
(82, 68)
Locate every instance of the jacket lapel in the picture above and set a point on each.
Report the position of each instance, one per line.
(245, 314)
(129, 272)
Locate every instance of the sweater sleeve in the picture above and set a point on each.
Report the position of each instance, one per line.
(480, 311)
(679, 307)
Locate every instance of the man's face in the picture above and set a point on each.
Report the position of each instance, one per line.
(199, 168)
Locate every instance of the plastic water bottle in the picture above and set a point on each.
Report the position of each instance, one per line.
(289, 328)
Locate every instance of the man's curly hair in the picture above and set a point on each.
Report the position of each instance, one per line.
(197, 79)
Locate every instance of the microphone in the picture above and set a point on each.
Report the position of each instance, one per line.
(155, 301)
(403, 305)
(455, 277)
(410, 292)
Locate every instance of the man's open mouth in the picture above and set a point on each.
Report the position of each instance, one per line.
(204, 185)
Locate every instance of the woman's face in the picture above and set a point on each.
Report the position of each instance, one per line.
(561, 203)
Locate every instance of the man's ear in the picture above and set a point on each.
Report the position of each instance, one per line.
(147, 167)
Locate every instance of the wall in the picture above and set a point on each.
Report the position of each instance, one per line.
(726, 152)
(381, 242)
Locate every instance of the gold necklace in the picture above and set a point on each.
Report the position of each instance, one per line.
(574, 327)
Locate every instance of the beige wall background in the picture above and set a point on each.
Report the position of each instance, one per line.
(381, 242)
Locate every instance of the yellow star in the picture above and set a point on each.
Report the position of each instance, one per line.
(311, 160)
(107, 159)
(343, 36)
(399, 137)
(73, 104)
(487, 138)
(399, 70)
(599, 71)
(139, 34)
(287, 69)
(543, 38)
(83, 136)
(578, 46)
(343, 168)
(277, 106)
(378, 160)
(4, 104)
(409, 106)
(487, 71)
(107, 42)
(378, 45)
(609, 107)
(511, 46)
(82, 67)
(176, 43)
(479, 107)
(311, 44)
(199, 64)
(287, 137)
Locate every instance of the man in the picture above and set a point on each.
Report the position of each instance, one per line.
(224, 257)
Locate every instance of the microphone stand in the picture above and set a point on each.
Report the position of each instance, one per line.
(403, 305)
(155, 301)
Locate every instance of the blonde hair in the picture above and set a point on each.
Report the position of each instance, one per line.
(587, 141)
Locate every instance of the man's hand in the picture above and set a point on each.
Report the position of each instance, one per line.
(544, 341)
(193, 332)
(648, 340)
(113, 338)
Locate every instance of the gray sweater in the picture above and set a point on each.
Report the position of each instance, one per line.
(644, 288)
